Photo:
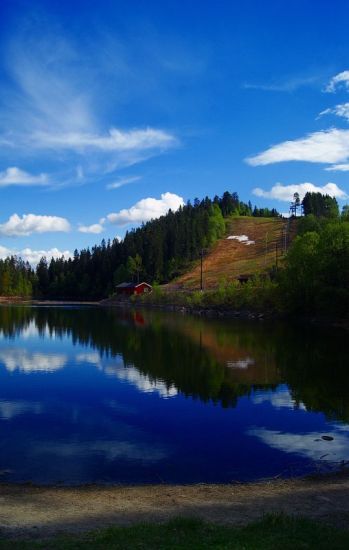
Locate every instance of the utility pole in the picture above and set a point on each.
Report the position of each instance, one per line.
(266, 248)
(201, 256)
(276, 256)
(202, 253)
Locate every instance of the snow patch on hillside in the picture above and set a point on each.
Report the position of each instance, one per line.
(242, 239)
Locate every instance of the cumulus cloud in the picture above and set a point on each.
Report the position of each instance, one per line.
(340, 80)
(16, 176)
(17, 226)
(33, 256)
(285, 193)
(327, 147)
(94, 228)
(147, 209)
(122, 181)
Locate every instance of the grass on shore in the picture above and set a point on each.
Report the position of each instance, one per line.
(273, 532)
(258, 294)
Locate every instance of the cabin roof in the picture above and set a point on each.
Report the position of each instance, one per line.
(131, 285)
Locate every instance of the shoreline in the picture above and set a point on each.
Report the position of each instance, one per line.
(217, 312)
(4, 301)
(31, 511)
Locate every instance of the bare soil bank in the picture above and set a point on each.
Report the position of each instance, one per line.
(36, 512)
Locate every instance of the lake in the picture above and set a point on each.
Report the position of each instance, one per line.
(92, 395)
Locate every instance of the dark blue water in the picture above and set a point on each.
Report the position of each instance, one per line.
(89, 395)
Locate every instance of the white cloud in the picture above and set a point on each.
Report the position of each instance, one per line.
(123, 181)
(341, 79)
(341, 110)
(95, 228)
(17, 226)
(34, 256)
(327, 147)
(16, 176)
(147, 209)
(285, 192)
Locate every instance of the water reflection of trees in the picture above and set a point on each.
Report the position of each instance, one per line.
(207, 359)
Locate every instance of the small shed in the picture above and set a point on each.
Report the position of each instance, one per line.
(244, 278)
(129, 289)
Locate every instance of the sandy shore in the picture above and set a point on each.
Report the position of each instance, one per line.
(37, 512)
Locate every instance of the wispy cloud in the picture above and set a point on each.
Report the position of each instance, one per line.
(325, 147)
(16, 176)
(285, 193)
(28, 224)
(113, 141)
(339, 80)
(341, 110)
(147, 209)
(290, 84)
(122, 181)
(34, 256)
(338, 168)
(51, 106)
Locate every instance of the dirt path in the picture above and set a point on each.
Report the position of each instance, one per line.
(41, 512)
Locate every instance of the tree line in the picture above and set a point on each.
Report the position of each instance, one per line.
(315, 279)
(158, 251)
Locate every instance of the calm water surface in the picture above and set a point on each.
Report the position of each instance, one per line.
(93, 395)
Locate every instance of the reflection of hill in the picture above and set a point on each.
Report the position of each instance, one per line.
(245, 352)
(209, 359)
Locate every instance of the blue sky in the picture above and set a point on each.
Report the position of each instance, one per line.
(112, 112)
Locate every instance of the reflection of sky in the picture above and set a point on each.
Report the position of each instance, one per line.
(10, 409)
(31, 361)
(69, 413)
(307, 444)
(278, 399)
(28, 361)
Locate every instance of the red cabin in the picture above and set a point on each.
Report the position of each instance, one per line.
(129, 289)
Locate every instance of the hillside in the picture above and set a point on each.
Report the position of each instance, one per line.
(230, 257)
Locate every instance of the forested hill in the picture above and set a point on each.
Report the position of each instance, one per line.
(157, 251)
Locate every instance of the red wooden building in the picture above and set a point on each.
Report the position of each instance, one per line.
(129, 289)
